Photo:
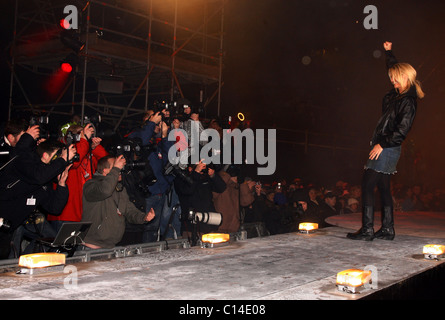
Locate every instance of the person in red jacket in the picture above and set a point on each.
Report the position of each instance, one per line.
(90, 151)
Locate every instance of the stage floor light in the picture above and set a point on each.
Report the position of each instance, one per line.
(211, 240)
(434, 251)
(352, 280)
(41, 262)
(307, 227)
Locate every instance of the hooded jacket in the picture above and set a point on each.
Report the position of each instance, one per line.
(80, 172)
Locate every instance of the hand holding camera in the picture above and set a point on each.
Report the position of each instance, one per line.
(69, 153)
(200, 167)
(88, 131)
(157, 117)
(120, 162)
(95, 142)
(34, 131)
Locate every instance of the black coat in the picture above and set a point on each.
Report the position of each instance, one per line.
(27, 178)
(398, 113)
(198, 196)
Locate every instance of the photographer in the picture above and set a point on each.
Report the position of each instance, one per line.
(198, 195)
(107, 205)
(90, 151)
(28, 182)
(228, 203)
(157, 159)
(17, 136)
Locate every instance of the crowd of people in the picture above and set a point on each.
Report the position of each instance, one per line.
(74, 178)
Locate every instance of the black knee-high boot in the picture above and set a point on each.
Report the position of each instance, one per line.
(366, 232)
(387, 231)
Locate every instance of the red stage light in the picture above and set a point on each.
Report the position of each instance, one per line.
(66, 67)
(64, 24)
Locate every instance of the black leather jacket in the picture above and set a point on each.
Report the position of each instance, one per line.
(398, 113)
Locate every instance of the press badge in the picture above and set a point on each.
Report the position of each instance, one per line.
(31, 201)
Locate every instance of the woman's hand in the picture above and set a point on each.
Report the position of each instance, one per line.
(375, 152)
(387, 45)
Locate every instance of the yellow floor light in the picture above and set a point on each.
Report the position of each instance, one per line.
(41, 262)
(211, 240)
(433, 251)
(307, 227)
(352, 280)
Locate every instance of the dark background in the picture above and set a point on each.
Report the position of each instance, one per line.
(338, 94)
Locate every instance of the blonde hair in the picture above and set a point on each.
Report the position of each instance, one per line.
(399, 70)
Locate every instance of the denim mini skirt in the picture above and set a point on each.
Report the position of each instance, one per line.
(387, 161)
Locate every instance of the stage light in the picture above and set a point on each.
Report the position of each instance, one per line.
(69, 63)
(433, 251)
(210, 240)
(307, 227)
(64, 24)
(352, 280)
(37, 262)
(66, 67)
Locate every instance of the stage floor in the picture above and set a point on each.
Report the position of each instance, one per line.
(413, 223)
(290, 266)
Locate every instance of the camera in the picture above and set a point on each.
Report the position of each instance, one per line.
(95, 121)
(72, 138)
(42, 122)
(5, 225)
(212, 218)
(176, 171)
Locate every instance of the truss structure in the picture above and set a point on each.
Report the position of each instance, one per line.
(136, 53)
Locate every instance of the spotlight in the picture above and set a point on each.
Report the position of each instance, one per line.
(64, 24)
(66, 67)
(307, 227)
(41, 262)
(69, 63)
(352, 280)
(212, 240)
(433, 251)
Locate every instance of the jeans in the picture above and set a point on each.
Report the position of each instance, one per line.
(31, 232)
(150, 233)
(171, 229)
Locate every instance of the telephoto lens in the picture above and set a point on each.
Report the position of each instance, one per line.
(5, 225)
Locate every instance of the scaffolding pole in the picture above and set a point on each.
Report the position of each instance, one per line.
(11, 85)
(221, 53)
(85, 63)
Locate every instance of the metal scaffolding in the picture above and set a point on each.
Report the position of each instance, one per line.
(135, 53)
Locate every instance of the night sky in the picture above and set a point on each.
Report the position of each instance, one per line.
(311, 64)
